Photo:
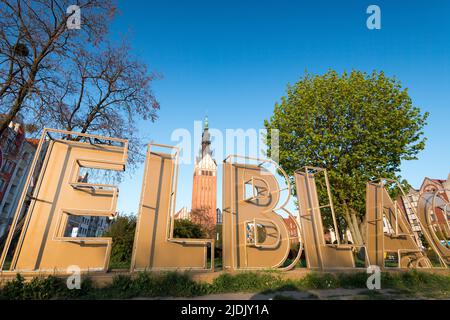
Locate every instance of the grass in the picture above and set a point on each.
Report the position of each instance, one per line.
(119, 265)
(173, 284)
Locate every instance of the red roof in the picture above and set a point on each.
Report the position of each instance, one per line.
(438, 180)
(33, 142)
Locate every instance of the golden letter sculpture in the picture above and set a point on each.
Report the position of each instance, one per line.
(60, 193)
(155, 248)
(254, 235)
(388, 230)
(437, 233)
(319, 254)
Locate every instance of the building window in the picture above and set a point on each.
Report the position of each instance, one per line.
(7, 167)
(9, 144)
(6, 207)
(19, 172)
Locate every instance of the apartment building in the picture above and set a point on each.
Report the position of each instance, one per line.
(16, 156)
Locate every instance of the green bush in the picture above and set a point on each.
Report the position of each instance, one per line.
(175, 284)
(13, 290)
(416, 281)
(245, 282)
(184, 228)
(352, 280)
(43, 288)
(318, 281)
(122, 233)
(179, 285)
(87, 290)
(146, 284)
(121, 287)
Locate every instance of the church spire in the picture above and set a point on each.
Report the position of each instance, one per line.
(204, 187)
(206, 140)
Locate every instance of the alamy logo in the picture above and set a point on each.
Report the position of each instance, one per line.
(374, 20)
(374, 280)
(251, 142)
(74, 280)
(74, 19)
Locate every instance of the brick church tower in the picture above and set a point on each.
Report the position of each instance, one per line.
(204, 189)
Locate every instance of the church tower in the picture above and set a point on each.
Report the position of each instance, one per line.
(204, 189)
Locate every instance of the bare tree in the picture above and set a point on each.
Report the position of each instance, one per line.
(104, 92)
(71, 79)
(35, 44)
(202, 217)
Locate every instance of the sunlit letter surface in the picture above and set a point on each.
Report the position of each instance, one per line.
(254, 235)
(44, 243)
(154, 245)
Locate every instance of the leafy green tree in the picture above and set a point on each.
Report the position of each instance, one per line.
(184, 228)
(356, 125)
(122, 232)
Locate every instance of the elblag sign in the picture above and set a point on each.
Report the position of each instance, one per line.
(251, 202)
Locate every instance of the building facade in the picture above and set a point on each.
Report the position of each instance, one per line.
(183, 214)
(204, 187)
(408, 204)
(16, 156)
(292, 228)
(86, 226)
(441, 215)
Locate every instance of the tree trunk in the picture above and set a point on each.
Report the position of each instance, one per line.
(356, 226)
(348, 220)
(363, 228)
(17, 105)
(352, 225)
(10, 115)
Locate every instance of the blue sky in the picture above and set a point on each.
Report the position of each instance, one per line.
(231, 60)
